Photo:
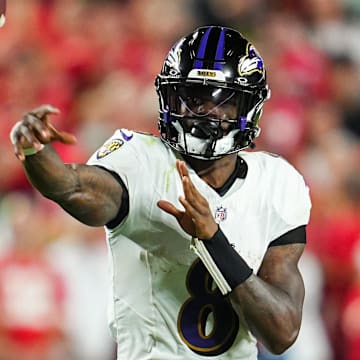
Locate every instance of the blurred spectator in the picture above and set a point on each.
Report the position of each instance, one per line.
(80, 256)
(331, 29)
(312, 326)
(345, 91)
(350, 311)
(241, 15)
(31, 292)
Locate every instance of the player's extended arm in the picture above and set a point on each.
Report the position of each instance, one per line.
(271, 301)
(88, 193)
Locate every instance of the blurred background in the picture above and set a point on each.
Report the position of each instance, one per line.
(96, 61)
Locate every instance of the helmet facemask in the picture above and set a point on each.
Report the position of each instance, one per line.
(208, 121)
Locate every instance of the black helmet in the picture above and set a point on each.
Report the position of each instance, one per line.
(211, 89)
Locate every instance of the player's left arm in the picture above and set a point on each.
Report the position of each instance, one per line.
(270, 301)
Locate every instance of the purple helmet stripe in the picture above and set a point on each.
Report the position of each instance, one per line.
(220, 51)
(198, 64)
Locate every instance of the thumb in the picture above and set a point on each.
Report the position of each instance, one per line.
(170, 209)
(63, 136)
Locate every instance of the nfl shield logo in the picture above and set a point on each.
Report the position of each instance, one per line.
(220, 214)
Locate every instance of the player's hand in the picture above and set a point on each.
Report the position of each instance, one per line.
(197, 219)
(35, 129)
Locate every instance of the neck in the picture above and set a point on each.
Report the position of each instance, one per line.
(214, 172)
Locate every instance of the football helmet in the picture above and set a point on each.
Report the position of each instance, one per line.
(211, 90)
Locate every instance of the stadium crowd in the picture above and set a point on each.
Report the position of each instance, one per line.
(96, 61)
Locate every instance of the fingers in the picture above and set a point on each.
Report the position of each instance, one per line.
(196, 218)
(22, 137)
(42, 111)
(181, 168)
(170, 208)
(196, 206)
(189, 209)
(201, 218)
(37, 128)
(182, 217)
(34, 129)
(62, 136)
(192, 195)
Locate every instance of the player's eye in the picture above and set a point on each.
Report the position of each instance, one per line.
(193, 100)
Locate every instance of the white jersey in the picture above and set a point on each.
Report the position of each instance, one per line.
(163, 303)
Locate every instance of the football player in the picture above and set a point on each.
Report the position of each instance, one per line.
(204, 235)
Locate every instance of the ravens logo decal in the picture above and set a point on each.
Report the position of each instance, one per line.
(109, 147)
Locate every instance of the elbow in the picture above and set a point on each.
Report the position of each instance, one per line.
(279, 345)
(278, 349)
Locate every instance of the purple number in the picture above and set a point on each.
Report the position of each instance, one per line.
(205, 300)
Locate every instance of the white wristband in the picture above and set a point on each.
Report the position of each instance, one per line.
(32, 150)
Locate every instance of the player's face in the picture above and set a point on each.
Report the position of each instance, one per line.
(214, 103)
(201, 104)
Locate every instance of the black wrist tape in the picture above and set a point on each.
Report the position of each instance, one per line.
(231, 265)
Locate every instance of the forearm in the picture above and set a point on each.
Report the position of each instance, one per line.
(270, 312)
(88, 193)
(49, 175)
(271, 301)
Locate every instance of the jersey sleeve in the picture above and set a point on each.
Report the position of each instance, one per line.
(291, 203)
(119, 154)
(137, 158)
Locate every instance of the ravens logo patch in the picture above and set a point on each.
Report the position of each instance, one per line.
(109, 147)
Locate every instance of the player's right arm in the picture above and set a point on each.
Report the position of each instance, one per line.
(90, 194)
